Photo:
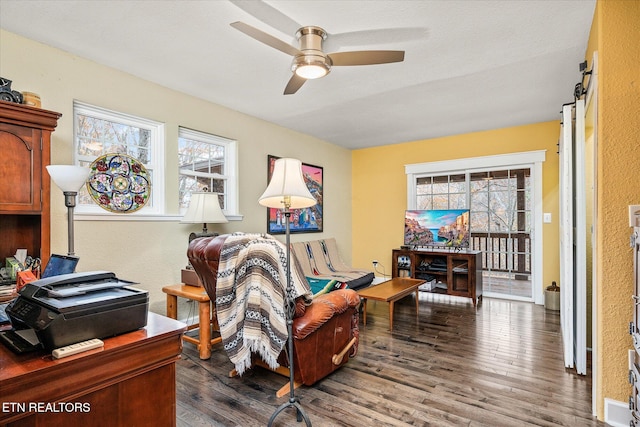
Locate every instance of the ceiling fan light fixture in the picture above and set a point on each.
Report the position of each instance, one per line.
(311, 71)
(310, 66)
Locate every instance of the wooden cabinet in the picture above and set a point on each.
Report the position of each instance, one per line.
(25, 141)
(449, 272)
(130, 382)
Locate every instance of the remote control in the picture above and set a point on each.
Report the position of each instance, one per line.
(76, 348)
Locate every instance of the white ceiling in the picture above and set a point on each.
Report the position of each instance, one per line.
(470, 65)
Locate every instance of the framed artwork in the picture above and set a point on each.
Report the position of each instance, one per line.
(307, 220)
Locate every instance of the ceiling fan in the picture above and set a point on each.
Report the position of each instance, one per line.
(310, 61)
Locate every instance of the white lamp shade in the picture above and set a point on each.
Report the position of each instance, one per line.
(68, 178)
(287, 182)
(204, 208)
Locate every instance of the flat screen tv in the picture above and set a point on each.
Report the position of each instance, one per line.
(439, 227)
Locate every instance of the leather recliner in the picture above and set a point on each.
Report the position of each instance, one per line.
(325, 332)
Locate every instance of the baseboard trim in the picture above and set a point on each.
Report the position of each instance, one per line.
(616, 413)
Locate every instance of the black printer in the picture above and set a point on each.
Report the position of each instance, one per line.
(75, 307)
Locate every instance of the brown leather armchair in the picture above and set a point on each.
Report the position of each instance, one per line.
(325, 332)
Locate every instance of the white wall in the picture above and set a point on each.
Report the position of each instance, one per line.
(153, 252)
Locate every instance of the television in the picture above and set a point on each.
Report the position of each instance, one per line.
(437, 228)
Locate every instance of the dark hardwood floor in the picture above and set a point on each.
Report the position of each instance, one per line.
(499, 364)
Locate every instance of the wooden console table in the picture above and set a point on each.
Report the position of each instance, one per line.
(131, 381)
(460, 271)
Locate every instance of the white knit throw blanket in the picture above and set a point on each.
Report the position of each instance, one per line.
(250, 291)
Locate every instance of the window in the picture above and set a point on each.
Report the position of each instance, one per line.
(99, 131)
(206, 163)
(441, 192)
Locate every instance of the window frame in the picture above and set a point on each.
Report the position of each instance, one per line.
(230, 175)
(531, 159)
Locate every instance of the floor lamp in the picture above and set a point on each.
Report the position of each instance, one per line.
(287, 190)
(69, 179)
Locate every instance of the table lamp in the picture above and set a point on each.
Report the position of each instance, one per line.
(287, 190)
(69, 178)
(204, 208)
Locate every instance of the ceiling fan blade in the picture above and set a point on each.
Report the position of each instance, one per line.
(265, 38)
(366, 57)
(269, 15)
(375, 37)
(294, 84)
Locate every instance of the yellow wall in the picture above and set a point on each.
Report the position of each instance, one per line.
(618, 165)
(380, 187)
(153, 252)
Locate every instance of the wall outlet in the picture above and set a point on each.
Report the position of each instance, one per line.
(374, 262)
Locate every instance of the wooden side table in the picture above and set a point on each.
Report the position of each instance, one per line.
(205, 320)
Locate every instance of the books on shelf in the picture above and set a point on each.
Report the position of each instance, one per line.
(433, 286)
(7, 290)
(425, 287)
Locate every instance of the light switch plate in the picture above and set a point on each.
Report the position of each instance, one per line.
(546, 217)
(633, 210)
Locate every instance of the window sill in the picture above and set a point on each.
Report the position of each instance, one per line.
(130, 217)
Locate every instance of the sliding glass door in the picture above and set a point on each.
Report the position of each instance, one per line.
(504, 195)
(500, 204)
(501, 228)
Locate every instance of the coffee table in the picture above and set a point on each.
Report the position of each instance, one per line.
(390, 292)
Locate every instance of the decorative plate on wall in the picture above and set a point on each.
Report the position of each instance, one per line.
(119, 183)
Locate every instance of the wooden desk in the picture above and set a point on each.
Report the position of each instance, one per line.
(198, 294)
(389, 291)
(131, 381)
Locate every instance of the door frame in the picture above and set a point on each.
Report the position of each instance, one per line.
(592, 99)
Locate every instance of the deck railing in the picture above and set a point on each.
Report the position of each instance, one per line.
(508, 252)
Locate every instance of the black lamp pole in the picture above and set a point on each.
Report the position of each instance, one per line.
(290, 311)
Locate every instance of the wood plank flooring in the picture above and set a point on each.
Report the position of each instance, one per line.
(501, 285)
(450, 365)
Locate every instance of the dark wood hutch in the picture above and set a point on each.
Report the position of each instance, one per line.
(25, 147)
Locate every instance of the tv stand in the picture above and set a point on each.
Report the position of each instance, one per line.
(450, 272)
